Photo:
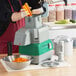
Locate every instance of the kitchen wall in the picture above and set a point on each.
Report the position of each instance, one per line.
(71, 1)
(51, 1)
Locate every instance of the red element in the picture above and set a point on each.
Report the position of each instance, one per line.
(59, 4)
(51, 5)
(19, 43)
(73, 4)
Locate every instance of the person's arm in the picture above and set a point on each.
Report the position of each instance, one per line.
(18, 15)
(6, 14)
(34, 4)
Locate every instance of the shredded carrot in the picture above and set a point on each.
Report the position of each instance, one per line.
(20, 60)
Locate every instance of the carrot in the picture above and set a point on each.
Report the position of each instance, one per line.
(20, 60)
(27, 9)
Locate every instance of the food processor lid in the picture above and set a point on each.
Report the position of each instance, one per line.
(64, 38)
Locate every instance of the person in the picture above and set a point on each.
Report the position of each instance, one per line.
(12, 18)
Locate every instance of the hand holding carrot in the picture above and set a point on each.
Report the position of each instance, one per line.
(26, 8)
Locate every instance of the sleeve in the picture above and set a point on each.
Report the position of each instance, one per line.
(23, 1)
(32, 3)
(5, 12)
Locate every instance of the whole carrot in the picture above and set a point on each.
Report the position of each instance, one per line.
(27, 9)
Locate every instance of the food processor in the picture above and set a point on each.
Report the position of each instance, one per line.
(33, 39)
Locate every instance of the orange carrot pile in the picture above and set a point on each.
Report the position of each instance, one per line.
(20, 60)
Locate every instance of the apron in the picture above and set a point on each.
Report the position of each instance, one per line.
(9, 34)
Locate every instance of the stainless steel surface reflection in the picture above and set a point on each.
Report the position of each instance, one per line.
(49, 64)
(17, 65)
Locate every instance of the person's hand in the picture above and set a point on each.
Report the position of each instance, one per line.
(37, 11)
(19, 15)
(24, 13)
